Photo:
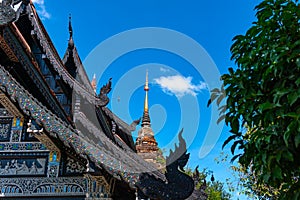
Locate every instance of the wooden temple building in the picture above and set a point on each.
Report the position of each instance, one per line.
(58, 139)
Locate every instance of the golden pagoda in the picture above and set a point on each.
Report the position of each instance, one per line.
(146, 144)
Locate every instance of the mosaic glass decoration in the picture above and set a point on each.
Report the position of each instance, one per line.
(5, 130)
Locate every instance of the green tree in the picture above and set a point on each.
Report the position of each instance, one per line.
(263, 98)
(243, 181)
(215, 189)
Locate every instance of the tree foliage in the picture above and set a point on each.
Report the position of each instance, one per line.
(263, 97)
(245, 183)
(215, 189)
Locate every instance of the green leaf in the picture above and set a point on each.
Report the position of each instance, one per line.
(292, 127)
(235, 157)
(280, 93)
(268, 138)
(238, 37)
(208, 103)
(292, 115)
(289, 156)
(228, 140)
(298, 80)
(264, 157)
(235, 125)
(266, 177)
(298, 65)
(230, 69)
(297, 43)
(277, 173)
(234, 146)
(278, 156)
(297, 140)
(292, 97)
(267, 106)
(286, 137)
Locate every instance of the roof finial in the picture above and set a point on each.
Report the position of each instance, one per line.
(70, 25)
(146, 117)
(146, 88)
(71, 42)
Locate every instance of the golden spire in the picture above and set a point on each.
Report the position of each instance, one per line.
(146, 118)
(146, 88)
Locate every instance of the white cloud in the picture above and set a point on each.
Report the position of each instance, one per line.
(41, 9)
(179, 85)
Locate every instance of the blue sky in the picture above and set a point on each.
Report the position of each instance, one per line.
(122, 39)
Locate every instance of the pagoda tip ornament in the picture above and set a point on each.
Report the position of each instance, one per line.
(71, 42)
(146, 118)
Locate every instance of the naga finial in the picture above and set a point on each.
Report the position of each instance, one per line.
(70, 26)
(104, 91)
(71, 42)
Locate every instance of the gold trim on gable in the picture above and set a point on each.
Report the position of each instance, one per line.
(7, 50)
(11, 108)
